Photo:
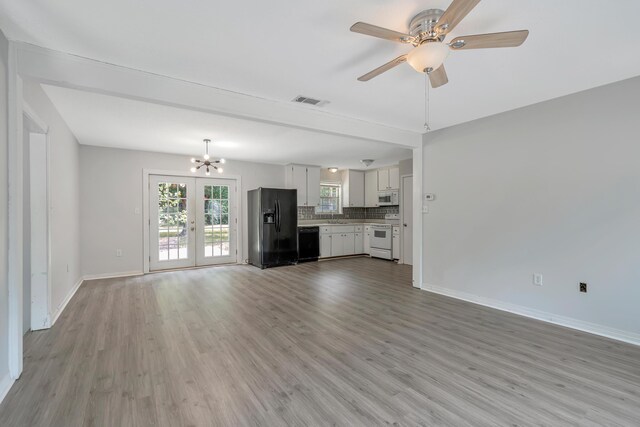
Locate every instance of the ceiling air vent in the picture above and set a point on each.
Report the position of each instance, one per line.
(311, 101)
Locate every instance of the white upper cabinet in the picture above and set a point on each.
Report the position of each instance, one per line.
(313, 185)
(305, 179)
(353, 189)
(383, 179)
(389, 179)
(371, 189)
(394, 178)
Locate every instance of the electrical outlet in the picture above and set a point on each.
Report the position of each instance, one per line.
(583, 287)
(118, 252)
(537, 279)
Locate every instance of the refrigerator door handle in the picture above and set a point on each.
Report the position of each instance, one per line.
(278, 216)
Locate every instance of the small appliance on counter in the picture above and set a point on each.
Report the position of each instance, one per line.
(308, 243)
(381, 237)
(273, 227)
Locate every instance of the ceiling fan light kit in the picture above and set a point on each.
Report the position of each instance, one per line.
(428, 56)
(427, 33)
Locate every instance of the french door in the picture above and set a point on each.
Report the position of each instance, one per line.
(192, 222)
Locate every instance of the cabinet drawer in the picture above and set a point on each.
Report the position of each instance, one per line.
(342, 229)
(396, 231)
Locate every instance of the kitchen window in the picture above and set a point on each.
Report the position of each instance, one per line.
(330, 195)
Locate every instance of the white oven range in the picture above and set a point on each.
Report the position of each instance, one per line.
(381, 237)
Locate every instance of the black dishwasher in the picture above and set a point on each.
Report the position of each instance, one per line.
(308, 243)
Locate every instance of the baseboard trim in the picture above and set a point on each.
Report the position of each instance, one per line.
(5, 385)
(62, 306)
(112, 275)
(569, 322)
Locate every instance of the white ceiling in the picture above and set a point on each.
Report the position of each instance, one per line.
(282, 48)
(110, 121)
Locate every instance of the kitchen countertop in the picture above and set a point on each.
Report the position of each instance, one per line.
(310, 223)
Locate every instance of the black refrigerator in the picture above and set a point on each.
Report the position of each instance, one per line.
(273, 227)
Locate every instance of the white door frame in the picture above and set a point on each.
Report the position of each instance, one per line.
(402, 221)
(146, 213)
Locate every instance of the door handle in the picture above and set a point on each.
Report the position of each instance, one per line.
(193, 229)
(404, 225)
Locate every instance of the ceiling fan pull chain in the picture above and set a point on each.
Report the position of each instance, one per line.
(427, 114)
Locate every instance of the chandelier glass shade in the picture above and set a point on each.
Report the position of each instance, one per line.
(207, 162)
(428, 57)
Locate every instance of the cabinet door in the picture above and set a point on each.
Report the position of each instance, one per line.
(367, 241)
(356, 189)
(359, 243)
(299, 182)
(395, 246)
(370, 189)
(383, 179)
(313, 186)
(325, 245)
(349, 243)
(394, 178)
(337, 245)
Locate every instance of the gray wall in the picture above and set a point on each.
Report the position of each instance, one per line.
(111, 190)
(4, 209)
(554, 189)
(406, 167)
(64, 188)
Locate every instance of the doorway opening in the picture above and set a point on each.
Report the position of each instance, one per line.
(36, 251)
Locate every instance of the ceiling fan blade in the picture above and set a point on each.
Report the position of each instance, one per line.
(456, 12)
(386, 67)
(381, 33)
(491, 40)
(438, 77)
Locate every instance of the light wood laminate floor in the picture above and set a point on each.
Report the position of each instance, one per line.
(345, 342)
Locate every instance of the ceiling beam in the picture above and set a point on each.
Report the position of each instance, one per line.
(71, 71)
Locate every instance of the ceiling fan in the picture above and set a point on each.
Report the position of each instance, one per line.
(427, 31)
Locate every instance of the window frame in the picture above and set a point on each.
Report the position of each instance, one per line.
(319, 209)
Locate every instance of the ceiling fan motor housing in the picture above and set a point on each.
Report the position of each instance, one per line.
(423, 26)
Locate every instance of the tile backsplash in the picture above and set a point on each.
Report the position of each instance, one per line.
(309, 213)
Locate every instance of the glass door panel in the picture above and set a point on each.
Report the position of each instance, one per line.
(216, 221)
(172, 220)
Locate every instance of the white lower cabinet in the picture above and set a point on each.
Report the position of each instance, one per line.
(325, 245)
(395, 243)
(349, 244)
(366, 240)
(359, 243)
(341, 240)
(337, 247)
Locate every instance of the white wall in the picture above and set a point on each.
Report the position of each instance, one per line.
(552, 188)
(64, 187)
(4, 213)
(111, 190)
(26, 232)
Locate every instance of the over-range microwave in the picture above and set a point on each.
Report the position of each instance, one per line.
(388, 198)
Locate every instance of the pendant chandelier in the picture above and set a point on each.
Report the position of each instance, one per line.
(207, 162)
